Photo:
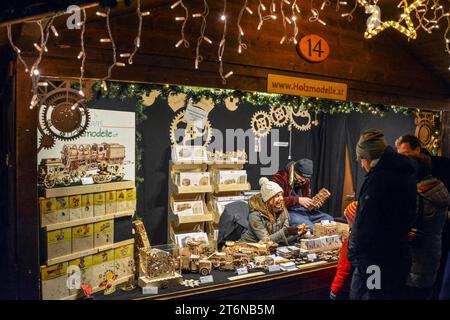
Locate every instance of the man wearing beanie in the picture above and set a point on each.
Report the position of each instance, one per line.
(385, 213)
(268, 219)
(295, 180)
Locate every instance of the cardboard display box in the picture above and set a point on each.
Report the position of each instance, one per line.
(189, 153)
(82, 237)
(82, 266)
(122, 203)
(103, 233)
(189, 179)
(186, 208)
(231, 177)
(54, 282)
(59, 243)
(99, 204)
(87, 206)
(75, 207)
(103, 268)
(111, 202)
(124, 261)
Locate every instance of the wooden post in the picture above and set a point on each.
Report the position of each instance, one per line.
(26, 189)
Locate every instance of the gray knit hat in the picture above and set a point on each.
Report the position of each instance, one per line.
(371, 145)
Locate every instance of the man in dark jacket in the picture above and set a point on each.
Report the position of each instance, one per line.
(295, 180)
(378, 245)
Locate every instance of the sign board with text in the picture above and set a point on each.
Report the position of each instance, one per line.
(306, 87)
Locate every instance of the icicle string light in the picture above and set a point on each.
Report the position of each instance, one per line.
(83, 52)
(137, 40)
(204, 15)
(183, 39)
(294, 19)
(241, 45)
(349, 14)
(113, 46)
(222, 44)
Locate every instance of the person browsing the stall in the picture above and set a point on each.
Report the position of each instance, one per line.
(268, 218)
(295, 180)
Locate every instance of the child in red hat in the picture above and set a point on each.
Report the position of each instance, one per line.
(340, 288)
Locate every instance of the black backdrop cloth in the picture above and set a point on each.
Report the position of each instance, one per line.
(324, 144)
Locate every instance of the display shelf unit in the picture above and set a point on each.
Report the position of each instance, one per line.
(88, 252)
(84, 189)
(78, 222)
(186, 223)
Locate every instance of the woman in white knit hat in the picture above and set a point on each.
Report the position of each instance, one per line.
(268, 218)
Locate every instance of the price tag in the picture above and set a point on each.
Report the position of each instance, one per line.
(87, 180)
(241, 271)
(281, 144)
(274, 268)
(206, 279)
(150, 290)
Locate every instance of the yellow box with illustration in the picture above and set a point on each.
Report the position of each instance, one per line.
(103, 268)
(75, 207)
(122, 203)
(131, 199)
(87, 206)
(82, 237)
(54, 282)
(111, 202)
(99, 204)
(53, 210)
(59, 243)
(124, 260)
(103, 233)
(80, 272)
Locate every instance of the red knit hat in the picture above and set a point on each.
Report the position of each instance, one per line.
(350, 212)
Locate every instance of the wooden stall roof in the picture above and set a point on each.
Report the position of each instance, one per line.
(387, 69)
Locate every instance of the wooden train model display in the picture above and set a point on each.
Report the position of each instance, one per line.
(78, 161)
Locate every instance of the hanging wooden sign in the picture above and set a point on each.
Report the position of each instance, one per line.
(313, 48)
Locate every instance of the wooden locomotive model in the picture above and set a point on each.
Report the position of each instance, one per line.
(77, 160)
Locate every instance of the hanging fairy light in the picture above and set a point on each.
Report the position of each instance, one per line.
(184, 18)
(294, 21)
(113, 46)
(82, 54)
(222, 45)
(137, 40)
(315, 15)
(241, 45)
(203, 15)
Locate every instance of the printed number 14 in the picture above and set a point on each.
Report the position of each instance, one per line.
(316, 49)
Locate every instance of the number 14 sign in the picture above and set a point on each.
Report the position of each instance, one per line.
(313, 48)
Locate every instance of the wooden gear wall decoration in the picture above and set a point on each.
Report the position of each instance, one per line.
(63, 114)
(425, 124)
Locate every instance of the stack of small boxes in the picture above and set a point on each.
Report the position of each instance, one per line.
(96, 269)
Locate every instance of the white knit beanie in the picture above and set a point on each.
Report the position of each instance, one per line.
(268, 188)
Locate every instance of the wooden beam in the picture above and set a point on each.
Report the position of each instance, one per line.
(26, 189)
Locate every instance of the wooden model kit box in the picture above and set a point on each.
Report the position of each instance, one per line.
(81, 267)
(59, 243)
(52, 212)
(99, 204)
(325, 229)
(111, 202)
(231, 177)
(188, 208)
(131, 199)
(75, 207)
(54, 282)
(188, 179)
(124, 261)
(189, 153)
(122, 204)
(82, 237)
(103, 233)
(87, 205)
(103, 268)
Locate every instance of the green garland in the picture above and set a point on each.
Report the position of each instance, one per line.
(121, 91)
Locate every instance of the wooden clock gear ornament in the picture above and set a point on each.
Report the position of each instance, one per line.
(63, 114)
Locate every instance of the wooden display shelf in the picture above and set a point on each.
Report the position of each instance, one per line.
(78, 222)
(228, 162)
(83, 189)
(195, 218)
(232, 187)
(98, 289)
(187, 162)
(88, 252)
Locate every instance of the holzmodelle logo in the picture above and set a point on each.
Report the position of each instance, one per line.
(100, 133)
